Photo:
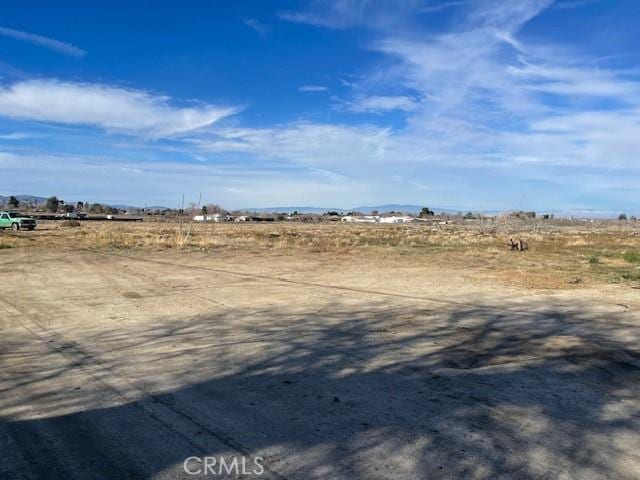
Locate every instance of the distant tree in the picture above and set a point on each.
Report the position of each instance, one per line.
(215, 208)
(468, 215)
(79, 206)
(204, 210)
(622, 216)
(425, 212)
(375, 212)
(95, 208)
(52, 204)
(13, 202)
(69, 208)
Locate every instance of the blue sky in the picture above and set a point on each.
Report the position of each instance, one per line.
(470, 104)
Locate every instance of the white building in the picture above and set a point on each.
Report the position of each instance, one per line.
(396, 219)
(215, 217)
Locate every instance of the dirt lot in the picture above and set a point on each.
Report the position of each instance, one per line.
(362, 359)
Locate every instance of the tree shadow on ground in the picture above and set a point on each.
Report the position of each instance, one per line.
(380, 391)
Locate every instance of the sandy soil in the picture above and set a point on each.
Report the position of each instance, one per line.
(122, 365)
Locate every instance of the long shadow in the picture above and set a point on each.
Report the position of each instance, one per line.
(378, 392)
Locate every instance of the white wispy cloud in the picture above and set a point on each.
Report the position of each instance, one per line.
(503, 16)
(46, 42)
(439, 7)
(108, 107)
(340, 14)
(16, 136)
(257, 25)
(312, 88)
(566, 5)
(114, 180)
(489, 100)
(310, 144)
(381, 103)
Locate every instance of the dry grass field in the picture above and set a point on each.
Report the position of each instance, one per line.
(561, 255)
(329, 350)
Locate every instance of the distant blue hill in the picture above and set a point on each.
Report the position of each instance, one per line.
(23, 198)
(318, 210)
(366, 209)
(392, 207)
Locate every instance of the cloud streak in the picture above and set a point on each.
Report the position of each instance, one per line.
(256, 25)
(381, 103)
(111, 108)
(312, 88)
(46, 42)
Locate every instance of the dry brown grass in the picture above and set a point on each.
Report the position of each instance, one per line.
(560, 256)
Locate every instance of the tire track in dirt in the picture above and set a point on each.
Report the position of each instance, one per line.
(151, 404)
(317, 285)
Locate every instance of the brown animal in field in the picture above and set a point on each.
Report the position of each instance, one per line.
(520, 245)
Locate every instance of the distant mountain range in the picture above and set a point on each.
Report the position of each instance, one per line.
(23, 199)
(392, 207)
(29, 199)
(412, 209)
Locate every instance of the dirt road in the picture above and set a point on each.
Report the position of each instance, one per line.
(124, 365)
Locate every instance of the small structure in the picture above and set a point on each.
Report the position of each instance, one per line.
(361, 219)
(396, 219)
(215, 217)
(377, 219)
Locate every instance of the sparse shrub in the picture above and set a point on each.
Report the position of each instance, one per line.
(631, 256)
(70, 223)
(630, 276)
(594, 260)
(5, 245)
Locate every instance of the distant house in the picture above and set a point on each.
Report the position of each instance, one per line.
(214, 217)
(396, 219)
(361, 219)
(218, 217)
(377, 219)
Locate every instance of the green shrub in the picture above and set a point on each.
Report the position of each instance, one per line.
(5, 245)
(594, 260)
(631, 256)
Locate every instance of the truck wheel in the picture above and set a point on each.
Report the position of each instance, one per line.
(15, 227)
